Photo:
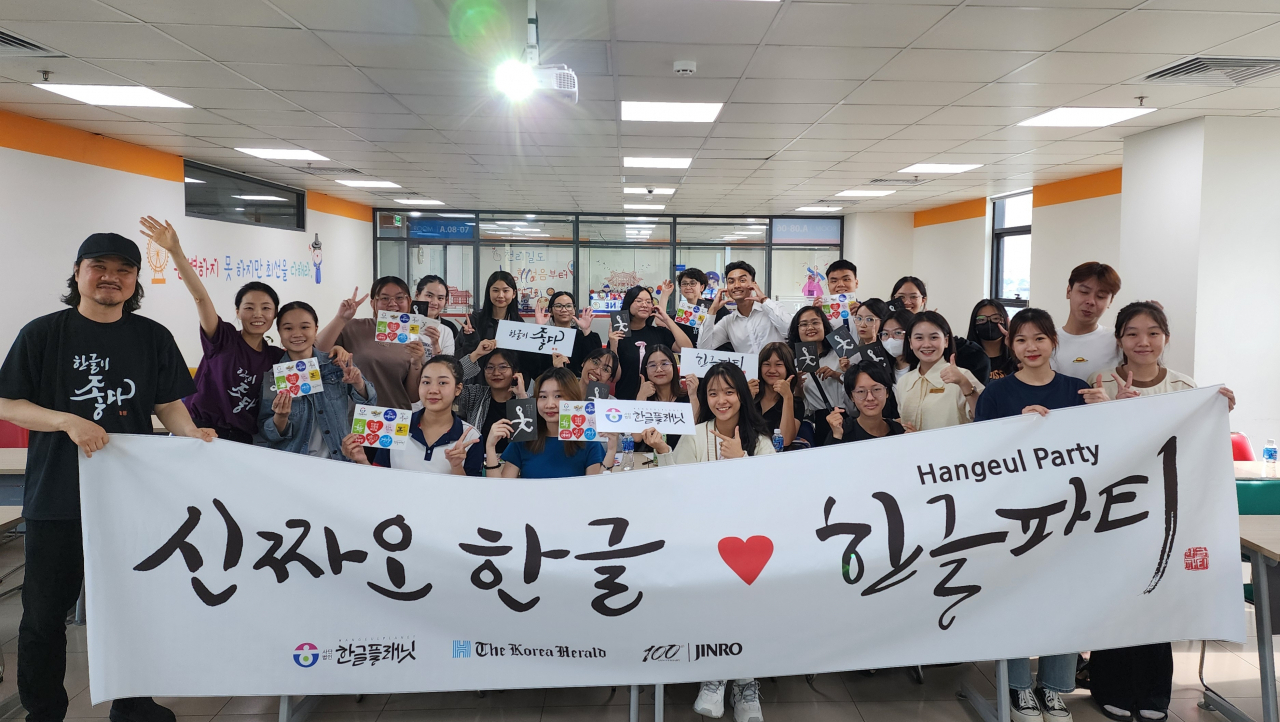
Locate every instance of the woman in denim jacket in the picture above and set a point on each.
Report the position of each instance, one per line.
(313, 424)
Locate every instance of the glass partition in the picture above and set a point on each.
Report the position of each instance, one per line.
(539, 270)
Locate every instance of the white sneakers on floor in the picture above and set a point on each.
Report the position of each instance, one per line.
(745, 698)
(1037, 705)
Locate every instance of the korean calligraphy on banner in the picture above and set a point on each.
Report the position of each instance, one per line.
(539, 339)
(636, 416)
(339, 579)
(696, 361)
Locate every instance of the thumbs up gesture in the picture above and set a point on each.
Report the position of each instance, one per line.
(951, 374)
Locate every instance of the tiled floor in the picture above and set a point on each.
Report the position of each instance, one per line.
(889, 696)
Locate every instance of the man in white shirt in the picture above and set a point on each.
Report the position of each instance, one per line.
(1083, 348)
(842, 277)
(757, 321)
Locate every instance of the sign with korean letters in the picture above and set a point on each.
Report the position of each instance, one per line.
(310, 576)
(532, 337)
(668, 417)
(697, 361)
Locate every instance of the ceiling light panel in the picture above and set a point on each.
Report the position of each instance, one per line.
(671, 112)
(818, 209)
(940, 167)
(643, 207)
(419, 202)
(369, 183)
(656, 191)
(260, 198)
(135, 96)
(1085, 117)
(638, 162)
(282, 153)
(865, 194)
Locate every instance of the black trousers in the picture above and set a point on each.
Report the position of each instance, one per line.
(1133, 678)
(50, 588)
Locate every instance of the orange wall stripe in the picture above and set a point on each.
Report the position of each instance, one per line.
(1106, 183)
(963, 211)
(335, 206)
(39, 136)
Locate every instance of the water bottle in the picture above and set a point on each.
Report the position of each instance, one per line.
(628, 453)
(777, 440)
(1269, 459)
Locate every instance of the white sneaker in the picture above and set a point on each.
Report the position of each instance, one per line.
(1055, 710)
(1023, 706)
(746, 702)
(710, 701)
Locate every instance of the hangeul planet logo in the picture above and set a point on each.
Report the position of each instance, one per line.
(613, 415)
(306, 655)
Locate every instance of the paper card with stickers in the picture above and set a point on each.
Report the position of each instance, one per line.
(694, 316)
(398, 327)
(838, 307)
(381, 427)
(298, 378)
(578, 420)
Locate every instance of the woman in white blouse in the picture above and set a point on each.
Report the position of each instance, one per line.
(935, 393)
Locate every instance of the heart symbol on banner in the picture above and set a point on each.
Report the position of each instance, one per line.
(371, 439)
(578, 419)
(746, 558)
(292, 378)
(577, 433)
(393, 326)
(374, 426)
(294, 390)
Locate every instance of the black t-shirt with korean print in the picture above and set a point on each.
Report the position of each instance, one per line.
(113, 374)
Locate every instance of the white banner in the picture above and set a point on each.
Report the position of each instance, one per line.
(532, 337)
(220, 569)
(616, 415)
(696, 361)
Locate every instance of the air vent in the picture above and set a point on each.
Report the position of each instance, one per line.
(914, 181)
(1216, 72)
(12, 46)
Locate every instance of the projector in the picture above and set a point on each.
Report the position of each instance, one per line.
(559, 79)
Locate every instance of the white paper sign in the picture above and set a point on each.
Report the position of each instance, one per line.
(382, 427)
(901, 551)
(539, 339)
(395, 327)
(298, 378)
(636, 416)
(696, 361)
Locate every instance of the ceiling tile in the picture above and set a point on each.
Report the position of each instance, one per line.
(1028, 94)
(906, 92)
(809, 62)
(336, 78)
(176, 73)
(944, 132)
(274, 117)
(674, 89)
(414, 52)
(1239, 98)
(414, 17)
(885, 26)
(335, 101)
(255, 45)
(692, 21)
(211, 130)
(303, 133)
(1264, 42)
(86, 10)
(62, 70)
(981, 66)
(758, 130)
(1157, 96)
(658, 59)
(878, 114)
(104, 40)
(1158, 31)
(773, 112)
(913, 146)
(852, 131)
(959, 115)
(214, 98)
(175, 115)
(795, 90)
(1003, 28)
(201, 12)
(58, 111)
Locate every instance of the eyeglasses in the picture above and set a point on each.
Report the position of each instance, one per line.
(499, 369)
(608, 370)
(909, 296)
(886, 335)
(810, 324)
(689, 284)
(996, 318)
(658, 366)
(878, 392)
(401, 298)
(642, 302)
(562, 307)
(865, 319)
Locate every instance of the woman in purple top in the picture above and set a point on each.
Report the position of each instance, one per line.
(229, 378)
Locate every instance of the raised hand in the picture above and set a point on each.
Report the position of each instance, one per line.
(826, 372)
(340, 356)
(541, 314)
(417, 350)
(517, 386)
(457, 454)
(844, 364)
(559, 360)
(281, 405)
(1124, 387)
(351, 376)
(730, 446)
(84, 433)
(754, 385)
(161, 234)
(951, 374)
(353, 448)
(835, 420)
(666, 288)
(467, 330)
(347, 309)
(585, 319)
(647, 389)
(1231, 397)
(1095, 394)
(653, 438)
(483, 348)
(718, 303)
(783, 387)
(433, 335)
(691, 385)
(501, 429)
(1035, 409)
(757, 293)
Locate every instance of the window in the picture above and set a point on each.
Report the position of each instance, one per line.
(223, 195)
(1011, 250)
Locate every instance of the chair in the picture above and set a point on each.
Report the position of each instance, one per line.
(1240, 447)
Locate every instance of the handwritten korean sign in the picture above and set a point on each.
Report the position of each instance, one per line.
(696, 361)
(539, 339)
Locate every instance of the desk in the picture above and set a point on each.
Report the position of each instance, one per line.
(13, 462)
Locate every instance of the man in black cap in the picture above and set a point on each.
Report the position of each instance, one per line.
(72, 377)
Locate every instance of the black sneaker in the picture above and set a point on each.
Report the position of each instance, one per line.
(1055, 710)
(1023, 706)
(140, 709)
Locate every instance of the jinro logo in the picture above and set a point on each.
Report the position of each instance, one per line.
(613, 415)
(306, 655)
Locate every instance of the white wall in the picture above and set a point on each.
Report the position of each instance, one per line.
(49, 205)
(881, 246)
(952, 260)
(1063, 236)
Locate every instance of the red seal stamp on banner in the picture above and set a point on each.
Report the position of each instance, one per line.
(1196, 559)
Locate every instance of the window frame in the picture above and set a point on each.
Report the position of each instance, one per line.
(998, 236)
(301, 195)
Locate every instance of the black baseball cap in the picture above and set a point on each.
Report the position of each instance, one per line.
(110, 244)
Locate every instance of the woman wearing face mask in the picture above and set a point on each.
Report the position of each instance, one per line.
(893, 339)
(911, 290)
(775, 391)
(1035, 389)
(987, 327)
(823, 387)
(314, 424)
(483, 405)
(439, 440)
(547, 457)
(868, 387)
(562, 315)
(729, 427)
(867, 318)
(935, 393)
(393, 368)
(1138, 680)
(228, 381)
(650, 326)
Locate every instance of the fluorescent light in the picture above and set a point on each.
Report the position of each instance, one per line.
(530, 215)
(282, 153)
(515, 79)
(191, 180)
(671, 112)
(260, 198)
(940, 167)
(528, 230)
(656, 191)
(641, 225)
(369, 183)
(638, 218)
(1085, 117)
(456, 215)
(538, 235)
(818, 209)
(239, 209)
(135, 96)
(414, 214)
(419, 202)
(630, 162)
(761, 227)
(868, 194)
(751, 220)
(1006, 194)
(751, 233)
(511, 223)
(642, 207)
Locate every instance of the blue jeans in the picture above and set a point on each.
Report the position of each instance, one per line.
(1057, 673)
